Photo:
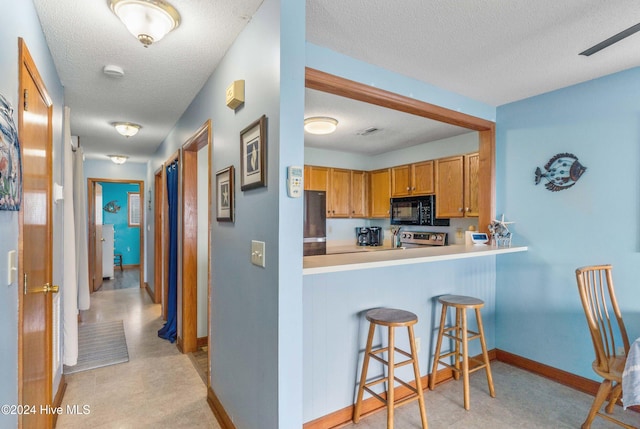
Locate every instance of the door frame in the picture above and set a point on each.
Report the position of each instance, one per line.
(159, 179)
(26, 63)
(188, 335)
(91, 203)
(332, 84)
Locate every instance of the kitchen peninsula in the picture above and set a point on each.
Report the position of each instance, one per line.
(338, 289)
(388, 257)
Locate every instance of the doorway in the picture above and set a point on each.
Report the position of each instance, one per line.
(196, 233)
(131, 209)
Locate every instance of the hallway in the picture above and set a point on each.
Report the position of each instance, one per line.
(158, 388)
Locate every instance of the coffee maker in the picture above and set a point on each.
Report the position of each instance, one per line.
(362, 235)
(375, 236)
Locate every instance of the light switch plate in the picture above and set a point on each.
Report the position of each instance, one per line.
(257, 253)
(12, 267)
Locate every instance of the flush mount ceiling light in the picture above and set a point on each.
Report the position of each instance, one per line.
(118, 159)
(320, 125)
(127, 129)
(148, 20)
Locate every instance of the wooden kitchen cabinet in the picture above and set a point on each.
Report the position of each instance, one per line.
(359, 185)
(316, 178)
(456, 186)
(412, 179)
(471, 194)
(380, 192)
(339, 193)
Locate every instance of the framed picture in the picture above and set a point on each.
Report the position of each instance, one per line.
(253, 147)
(134, 208)
(10, 163)
(224, 195)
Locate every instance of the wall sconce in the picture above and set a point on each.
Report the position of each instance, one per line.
(148, 20)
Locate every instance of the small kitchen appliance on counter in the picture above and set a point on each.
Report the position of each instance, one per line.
(362, 235)
(375, 236)
(419, 238)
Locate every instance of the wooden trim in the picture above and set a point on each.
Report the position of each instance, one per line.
(202, 341)
(158, 246)
(57, 401)
(321, 81)
(218, 410)
(150, 292)
(27, 65)
(563, 377)
(91, 181)
(128, 266)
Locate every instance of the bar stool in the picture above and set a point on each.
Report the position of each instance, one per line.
(461, 335)
(392, 318)
(117, 260)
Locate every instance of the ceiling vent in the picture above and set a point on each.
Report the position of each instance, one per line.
(368, 131)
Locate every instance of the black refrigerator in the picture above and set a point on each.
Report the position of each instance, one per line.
(315, 223)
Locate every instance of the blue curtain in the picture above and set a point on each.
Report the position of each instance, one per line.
(169, 330)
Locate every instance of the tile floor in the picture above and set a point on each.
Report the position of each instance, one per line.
(158, 388)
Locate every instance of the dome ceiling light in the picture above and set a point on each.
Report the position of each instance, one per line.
(118, 159)
(320, 125)
(148, 20)
(127, 129)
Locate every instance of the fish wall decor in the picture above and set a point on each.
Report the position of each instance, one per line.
(112, 207)
(10, 163)
(562, 172)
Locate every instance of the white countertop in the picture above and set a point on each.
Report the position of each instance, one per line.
(386, 257)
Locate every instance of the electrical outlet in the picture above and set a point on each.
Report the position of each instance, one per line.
(417, 345)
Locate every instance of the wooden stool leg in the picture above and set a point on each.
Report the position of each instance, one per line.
(436, 356)
(458, 333)
(465, 360)
(416, 372)
(485, 354)
(391, 379)
(363, 376)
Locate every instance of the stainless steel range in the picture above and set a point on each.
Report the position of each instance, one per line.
(420, 238)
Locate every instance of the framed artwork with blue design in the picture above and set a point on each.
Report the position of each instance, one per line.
(10, 164)
(253, 156)
(224, 195)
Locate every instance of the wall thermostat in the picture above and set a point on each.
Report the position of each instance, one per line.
(294, 181)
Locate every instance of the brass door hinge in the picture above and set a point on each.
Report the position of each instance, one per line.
(26, 99)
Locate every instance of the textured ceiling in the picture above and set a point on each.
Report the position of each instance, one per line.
(160, 81)
(492, 51)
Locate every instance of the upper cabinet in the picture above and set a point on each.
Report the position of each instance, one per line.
(316, 178)
(412, 179)
(380, 192)
(339, 193)
(359, 194)
(456, 186)
(346, 190)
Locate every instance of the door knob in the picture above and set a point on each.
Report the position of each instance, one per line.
(48, 288)
(102, 239)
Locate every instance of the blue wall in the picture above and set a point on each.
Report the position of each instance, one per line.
(253, 308)
(127, 238)
(539, 315)
(19, 19)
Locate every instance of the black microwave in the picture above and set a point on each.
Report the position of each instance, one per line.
(415, 211)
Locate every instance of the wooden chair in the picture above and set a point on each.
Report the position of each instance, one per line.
(595, 285)
(117, 260)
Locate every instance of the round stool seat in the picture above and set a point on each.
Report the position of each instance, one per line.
(391, 317)
(461, 301)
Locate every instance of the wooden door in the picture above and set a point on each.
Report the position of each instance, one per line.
(98, 239)
(339, 192)
(422, 178)
(359, 193)
(401, 181)
(35, 334)
(471, 174)
(380, 192)
(450, 187)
